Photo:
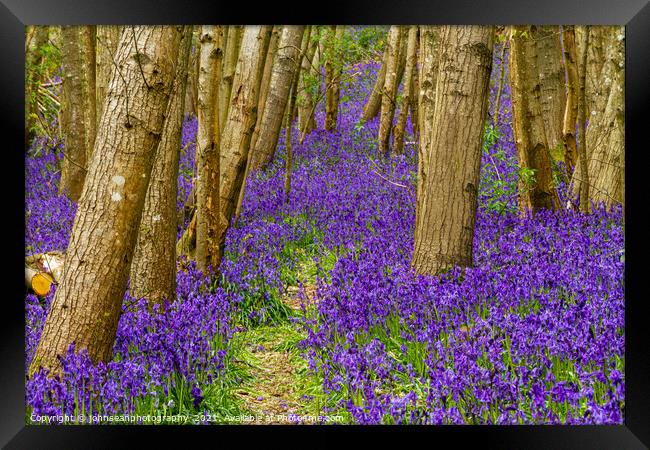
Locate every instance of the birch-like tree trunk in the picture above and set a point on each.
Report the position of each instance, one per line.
(78, 64)
(444, 236)
(389, 94)
(398, 136)
(87, 304)
(285, 66)
(153, 270)
(536, 188)
(208, 222)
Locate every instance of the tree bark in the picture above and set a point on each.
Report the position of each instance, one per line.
(87, 305)
(415, 91)
(192, 90)
(536, 191)
(307, 85)
(288, 163)
(373, 105)
(605, 130)
(229, 64)
(78, 118)
(502, 71)
(571, 107)
(582, 138)
(551, 80)
(429, 57)
(37, 38)
(398, 136)
(108, 37)
(284, 67)
(389, 94)
(333, 71)
(238, 131)
(153, 270)
(445, 234)
(208, 222)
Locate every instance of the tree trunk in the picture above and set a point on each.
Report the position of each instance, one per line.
(398, 141)
(444, 237)
(536, 189)
(429, 57)
(229, 64)
(108, 37)
(315, 77)
(79, 125)
(373, 105)
(582, 138)
(389, 94)
(551, 80)
(153, 270)
(288, 163)
(192, 90)
(284, 67)
(307, 86)
(571, 107)
(415, 90)
(605, 132)
(238, 131)
(36, 40)
(87, 305)
(208, 252)
(333, 71)
(502, 71)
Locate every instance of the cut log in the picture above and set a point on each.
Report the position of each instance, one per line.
(39, 282)
(42, 270)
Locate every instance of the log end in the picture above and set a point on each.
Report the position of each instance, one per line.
(41, 284)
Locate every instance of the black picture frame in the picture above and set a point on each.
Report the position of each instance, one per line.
(635, 14)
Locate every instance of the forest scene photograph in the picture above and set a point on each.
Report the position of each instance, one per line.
(324, 224)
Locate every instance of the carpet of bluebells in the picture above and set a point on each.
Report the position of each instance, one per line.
(533, 333)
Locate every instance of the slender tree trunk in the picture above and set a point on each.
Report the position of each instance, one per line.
(445, 234)
(389, 97)
(571, 108)
(315, 76)
(551, 80)
(78, 121)
(415, 91)
(229, 64)
(87, 304)
(34, 58)
(398, 141)
(373, 105)
(108, 37)
(333, 71)
(307, 86)
(582, 139)
(291, 107)
(536, 189)
(238, 131)
(284, 67)
(502, 71)
(429, 56)
(89, 54)
(207, 156)
(153, 270)
(192, 90)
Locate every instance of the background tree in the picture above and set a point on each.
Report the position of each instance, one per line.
(153, 270)
(389, 92)
(35, 40)
(536, 188)
(285, 66)
(231, 54)
(571, 106)
(79, 110)
(552, 93)
(333, 71)
(87, 304)
(445, 231)
(408, 93)
(308, 84)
